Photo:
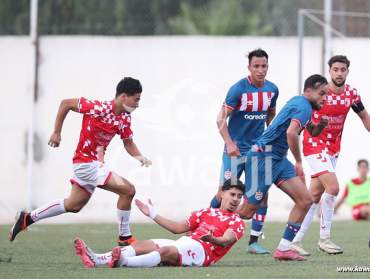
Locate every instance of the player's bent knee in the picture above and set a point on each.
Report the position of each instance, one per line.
(131, 191)
(316, 198)
(245, 213)
(334, 190)
(127, 190)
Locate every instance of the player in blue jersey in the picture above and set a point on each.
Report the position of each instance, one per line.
(266, 162)
(250, 104)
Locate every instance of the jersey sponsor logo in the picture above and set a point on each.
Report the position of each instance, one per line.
(258, 196)
(320, 157)
(255, 116)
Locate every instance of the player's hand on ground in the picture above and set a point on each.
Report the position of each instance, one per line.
(144, 161)
(55, 139)
(232, 149)
(146, 209)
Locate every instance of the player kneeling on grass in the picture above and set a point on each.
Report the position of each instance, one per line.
(210, 235)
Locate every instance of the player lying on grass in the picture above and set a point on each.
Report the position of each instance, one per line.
(210, 235)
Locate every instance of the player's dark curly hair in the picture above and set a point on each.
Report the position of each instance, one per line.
(231, 183)
(362, 161)
(257, 53)
(129, 86)
(314, 81)
(339, 58)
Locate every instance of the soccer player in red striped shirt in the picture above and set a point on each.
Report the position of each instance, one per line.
(102, 120)
(322, 152)
(211, 233)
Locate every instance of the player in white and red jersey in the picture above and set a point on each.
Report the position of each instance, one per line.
(211, 233)
(101, 122)
(321, 152)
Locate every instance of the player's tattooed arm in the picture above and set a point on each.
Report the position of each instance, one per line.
(316, 130)
(64, 107)
(228, 238)
(231, 147)
(175, 227)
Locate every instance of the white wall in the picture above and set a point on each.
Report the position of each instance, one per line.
(185, 80)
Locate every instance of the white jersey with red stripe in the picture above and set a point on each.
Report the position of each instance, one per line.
(216, 220)
(336, 108)
(99, 125)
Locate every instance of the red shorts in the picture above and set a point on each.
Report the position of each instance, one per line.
(356, 212)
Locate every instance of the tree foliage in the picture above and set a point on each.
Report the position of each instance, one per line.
(155, 17)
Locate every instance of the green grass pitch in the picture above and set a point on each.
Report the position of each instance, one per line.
(46, 251)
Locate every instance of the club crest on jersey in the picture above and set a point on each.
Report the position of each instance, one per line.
(227, 175)
(347, 102)
(258, 195)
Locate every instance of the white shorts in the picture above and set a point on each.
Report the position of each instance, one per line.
(89, 175)
(191, 252)
(321, 163)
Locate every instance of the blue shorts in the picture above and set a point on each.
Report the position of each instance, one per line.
(261, 171)
(232, 167)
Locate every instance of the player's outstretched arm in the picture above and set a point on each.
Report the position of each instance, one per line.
(64, 107)
(228, 238)
(134, 151)
(365, 118)
(170, 225)
(316, 130)
(231, 148)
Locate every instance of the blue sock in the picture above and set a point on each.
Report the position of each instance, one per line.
(259, 219)
(215, 203)
(257, 224)
(291, 230)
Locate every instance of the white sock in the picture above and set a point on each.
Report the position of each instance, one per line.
(284, 245)
(51, 209)
(123, 217)
(306, 223)
(256, 233)
(103, 259)
(327, 212)
(126, 252)
(148, 260)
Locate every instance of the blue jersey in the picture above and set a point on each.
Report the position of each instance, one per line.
(297, 109)
(249, 105)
